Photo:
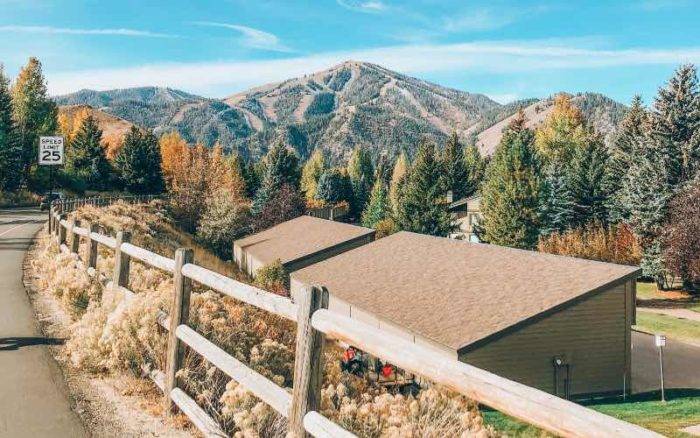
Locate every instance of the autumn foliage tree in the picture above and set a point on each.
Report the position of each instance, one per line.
(681, 237)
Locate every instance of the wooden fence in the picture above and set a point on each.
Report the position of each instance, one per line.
(315, 324)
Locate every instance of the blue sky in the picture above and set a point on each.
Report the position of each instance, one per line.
(505, 49)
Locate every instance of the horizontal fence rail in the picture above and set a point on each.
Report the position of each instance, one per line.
(314, 324)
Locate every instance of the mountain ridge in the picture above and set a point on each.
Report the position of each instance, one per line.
(349, 104)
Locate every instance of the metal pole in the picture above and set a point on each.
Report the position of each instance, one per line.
(661, 369)
(50, 197)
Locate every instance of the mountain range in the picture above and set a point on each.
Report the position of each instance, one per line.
(354, 103)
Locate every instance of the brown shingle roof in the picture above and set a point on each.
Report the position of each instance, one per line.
(455, 292)
(299, 238)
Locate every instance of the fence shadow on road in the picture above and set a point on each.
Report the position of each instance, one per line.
(15, 343)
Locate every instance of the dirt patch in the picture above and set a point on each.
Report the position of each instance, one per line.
(109, 406)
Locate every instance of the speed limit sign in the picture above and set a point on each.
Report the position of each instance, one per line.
(50, 151)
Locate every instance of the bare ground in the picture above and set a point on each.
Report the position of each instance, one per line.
(109, 406)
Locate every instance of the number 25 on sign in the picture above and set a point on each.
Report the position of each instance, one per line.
(50, 151)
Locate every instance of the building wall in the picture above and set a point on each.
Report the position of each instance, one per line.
(295, 265)
(593, 336)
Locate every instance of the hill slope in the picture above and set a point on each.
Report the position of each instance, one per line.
(603, 113)
(354, 103)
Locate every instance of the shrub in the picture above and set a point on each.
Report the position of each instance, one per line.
(272, 278)
(616, 244)
(385, 228)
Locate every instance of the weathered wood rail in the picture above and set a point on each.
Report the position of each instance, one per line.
(314, 324)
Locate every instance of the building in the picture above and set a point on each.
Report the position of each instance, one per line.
(556, 323)
(298, 243)
(466, 213)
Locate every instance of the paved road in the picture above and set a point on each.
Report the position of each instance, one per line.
(681, 364)
(33, 395)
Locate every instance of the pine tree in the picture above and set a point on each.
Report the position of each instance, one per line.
(333, 187)
(622, 155)
(281, 168)
(378, 207)
(10, 147)
(138, 162)
(361, 173)
(475, 166)
(34, 113)
(456, 176)
(647, 188)
(676, 124)
(511, 191)
(423, 206)
(558, 203)
(588, 180)
(86, 158)
(312, 171)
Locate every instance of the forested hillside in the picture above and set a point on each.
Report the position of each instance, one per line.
(352, 104)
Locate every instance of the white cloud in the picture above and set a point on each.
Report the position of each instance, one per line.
(253, 38)
(479, 19)
(74, 31)
(367, 6)
(210, 78)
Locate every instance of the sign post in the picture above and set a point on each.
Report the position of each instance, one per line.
(660, 341)
(51, 154)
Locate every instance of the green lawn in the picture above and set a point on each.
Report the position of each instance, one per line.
(674, 328)
(682, 409)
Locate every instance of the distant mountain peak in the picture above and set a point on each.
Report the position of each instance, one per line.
(353, 103)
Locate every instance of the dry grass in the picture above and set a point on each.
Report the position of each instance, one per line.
(113, 336)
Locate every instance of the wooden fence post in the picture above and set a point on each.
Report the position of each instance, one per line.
(91, 257)
(121, 260)
(74, 238)
(61, 231)
(308, 363)
(179, 314)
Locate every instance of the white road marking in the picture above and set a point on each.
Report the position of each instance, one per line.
(11, 229)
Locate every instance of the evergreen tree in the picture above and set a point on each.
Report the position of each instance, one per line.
(86, 158)
(138, 162)
(384, 170)
(588, 180)
(252, 177)
(622, 155)
(422, 205)
(333, 187)
(511, 191)
(648, 189)
(361, 173)
(10, 147)
(456, 176)
(34, 113)
(676, 124)
(378, 207)
(281, 168)
(313, 169)
(558, 203)
(475, 166)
